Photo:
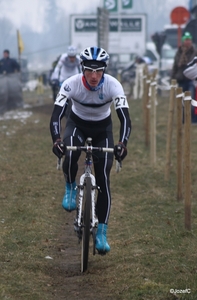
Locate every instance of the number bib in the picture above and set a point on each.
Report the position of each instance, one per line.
(120, 102)
(61, 100)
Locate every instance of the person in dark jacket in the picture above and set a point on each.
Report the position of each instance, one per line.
(185, 53)
(8, 65)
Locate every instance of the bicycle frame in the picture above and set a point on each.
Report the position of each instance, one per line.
(88, 149)
(83, 225)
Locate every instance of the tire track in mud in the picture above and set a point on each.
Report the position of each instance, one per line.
(65, 278)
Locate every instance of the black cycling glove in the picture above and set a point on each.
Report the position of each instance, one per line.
(120, 151)
(58, 148)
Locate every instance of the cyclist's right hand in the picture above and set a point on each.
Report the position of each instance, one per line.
(59, 148)
(55, 82)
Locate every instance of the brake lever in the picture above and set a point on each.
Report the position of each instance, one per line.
(59, 163)
(118, 166)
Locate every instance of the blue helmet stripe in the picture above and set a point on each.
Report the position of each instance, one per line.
(95, 53)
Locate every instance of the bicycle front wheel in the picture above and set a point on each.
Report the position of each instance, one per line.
(86, 225)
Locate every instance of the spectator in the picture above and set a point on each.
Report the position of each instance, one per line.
(191, 73)
(185, 53)
(8, 65)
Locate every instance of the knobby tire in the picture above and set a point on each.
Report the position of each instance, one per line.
(86, 226)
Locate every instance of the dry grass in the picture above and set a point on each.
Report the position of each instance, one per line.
(151, 252)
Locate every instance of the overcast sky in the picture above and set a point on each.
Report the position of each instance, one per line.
(43, 35)
(23, 12)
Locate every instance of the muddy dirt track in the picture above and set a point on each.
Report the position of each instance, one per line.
(66, 280)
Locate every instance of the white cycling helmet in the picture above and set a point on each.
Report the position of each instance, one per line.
(72, 51)
(96, 54)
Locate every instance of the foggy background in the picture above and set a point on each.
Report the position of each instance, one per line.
(44, 24)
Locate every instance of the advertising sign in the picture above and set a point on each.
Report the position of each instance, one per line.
(85, 24)
(131, 24)
(127, 33)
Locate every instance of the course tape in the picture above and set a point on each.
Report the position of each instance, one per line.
(180, 95)
(187, 98)
(193, 102)
(167, 86)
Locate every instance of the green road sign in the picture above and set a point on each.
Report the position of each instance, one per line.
(126, 4)
(111, 5)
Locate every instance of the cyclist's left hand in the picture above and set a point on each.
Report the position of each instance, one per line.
(120, 151)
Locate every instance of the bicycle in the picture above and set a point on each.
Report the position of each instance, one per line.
(86, 220)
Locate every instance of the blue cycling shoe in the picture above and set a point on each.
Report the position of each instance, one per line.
(102, 245)
(69, 200)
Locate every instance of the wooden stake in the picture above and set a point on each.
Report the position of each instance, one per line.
(187, 159)
(147, 112)
(153, 123)
(170, 128)
(179, 138)
(145, 74)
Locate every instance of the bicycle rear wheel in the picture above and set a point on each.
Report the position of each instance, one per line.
(86, 226)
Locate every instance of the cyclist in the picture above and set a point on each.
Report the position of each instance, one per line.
(54, 84)
(68, 64)
(92, 93)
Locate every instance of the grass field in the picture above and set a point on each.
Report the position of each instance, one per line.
(152, 256)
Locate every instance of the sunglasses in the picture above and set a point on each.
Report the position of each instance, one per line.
(90, 70)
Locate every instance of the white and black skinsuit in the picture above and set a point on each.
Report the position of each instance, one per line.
(91, 117)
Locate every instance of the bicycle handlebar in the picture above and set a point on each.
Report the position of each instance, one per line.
(86, 148)
(91, 148)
